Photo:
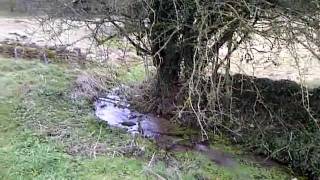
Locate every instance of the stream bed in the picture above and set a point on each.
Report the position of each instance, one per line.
(116, 112)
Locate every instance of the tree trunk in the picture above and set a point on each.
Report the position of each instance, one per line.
(168, 67)
(188, 59)
(165, 46)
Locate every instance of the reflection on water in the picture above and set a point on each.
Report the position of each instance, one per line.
(115, 111)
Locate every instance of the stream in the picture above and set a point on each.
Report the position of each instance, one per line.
(116, 112)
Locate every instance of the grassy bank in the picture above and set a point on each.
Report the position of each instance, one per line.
(47, 134)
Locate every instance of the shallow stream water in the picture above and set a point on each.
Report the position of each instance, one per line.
(116, 112)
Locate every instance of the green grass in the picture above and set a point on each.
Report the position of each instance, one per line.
(45, 134)
(133, 75)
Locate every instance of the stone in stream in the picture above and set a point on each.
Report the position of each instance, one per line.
(133, 116)
(128, 123)
(103, 106)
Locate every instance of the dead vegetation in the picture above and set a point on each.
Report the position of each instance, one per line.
(90, 86)
(282, 114)
(17, 50)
